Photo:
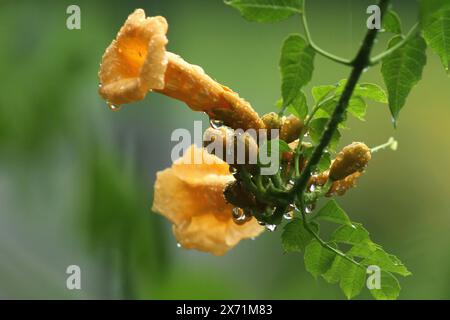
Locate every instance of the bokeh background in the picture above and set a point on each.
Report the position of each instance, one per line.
(76, 179)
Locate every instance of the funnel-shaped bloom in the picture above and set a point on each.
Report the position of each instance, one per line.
(136, 62)
(191, 196)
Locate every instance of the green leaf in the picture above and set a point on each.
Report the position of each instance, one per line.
(316, 128)
(355, 234)
(333, 275)
(296, 65)
(324, 162)
(357, 107)
(392, 23)
(362, 250)
(333, 212)
(295, 237)
(386, 262)
(299, 106)
(352, 280)
(266, 11)
(371, 91)
(402, 70)
(436, 30)
(319, 93)
(317, 258)
(389, 287)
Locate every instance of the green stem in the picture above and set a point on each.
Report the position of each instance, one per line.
(326, 245)
(361, 62)
(388, 52)
(316, 47)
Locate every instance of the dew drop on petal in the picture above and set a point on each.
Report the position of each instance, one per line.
(113, 107)
(215, 124)
(239, 216)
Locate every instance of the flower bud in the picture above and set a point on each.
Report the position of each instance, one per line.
(340, 187)
(291, 127)
(238, 149)
(353, 158)
(271, 121)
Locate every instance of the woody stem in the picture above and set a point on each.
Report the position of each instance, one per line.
(360, 63)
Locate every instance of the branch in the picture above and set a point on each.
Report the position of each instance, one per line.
(316, 47)
(386, 53)
(361, 62)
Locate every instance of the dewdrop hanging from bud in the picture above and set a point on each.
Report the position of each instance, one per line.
(353, 158)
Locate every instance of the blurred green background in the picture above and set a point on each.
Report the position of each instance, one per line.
(76, 179)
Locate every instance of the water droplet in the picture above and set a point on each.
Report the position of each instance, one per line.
(99, 85)
(271, 227)
(312, 188)
(366, 69)
(178, 245)
(308, 209)
(239, 216)
(113, 107)
(288, 215)
(216, 124)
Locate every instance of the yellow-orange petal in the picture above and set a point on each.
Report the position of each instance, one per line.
(135, 62)
(197, 163)
(207, 233)
(191, 196)
(179, 200)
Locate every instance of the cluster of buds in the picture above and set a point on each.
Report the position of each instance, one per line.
(290, 127)
(345, 169)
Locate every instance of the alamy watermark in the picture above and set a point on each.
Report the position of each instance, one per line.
(73, 21)
(73, 281)
(235, 148)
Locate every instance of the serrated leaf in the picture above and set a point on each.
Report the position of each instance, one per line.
(389, 287)
(402, 70)
(371, 91)
(333, 212)
(296, 65)
(316, 128)
(362, 250)
(355, 234)
(299, 106)
(436, 30)
(333, 275)
(352, 280)
(317, 258)
(392, 23)
(319, 93)
(386, 262)
(357, 107)
(266, 11)
(295, 237)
